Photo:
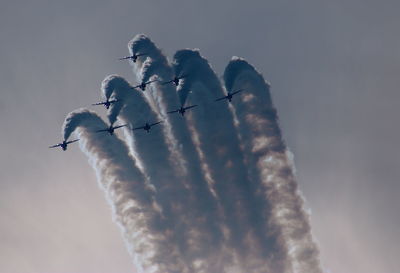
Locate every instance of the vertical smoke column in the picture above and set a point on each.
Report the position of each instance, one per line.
(131, 199)
(271, 163)
(151, 149)
(155, 63)
(165, 98)
(179, 221)
(218, 138)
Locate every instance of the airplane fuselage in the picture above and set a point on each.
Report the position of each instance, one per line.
(182, 110)
(147, 127)
(110, 131)
(176, 81)
(64, 146)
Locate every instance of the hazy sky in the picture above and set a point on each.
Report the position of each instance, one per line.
(334, 70)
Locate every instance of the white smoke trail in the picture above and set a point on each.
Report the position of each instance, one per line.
(156, 64)
(150, 148)
(255, 245)
(270, 161)
(132, 200)
(204, 203)
(179, 208)
(213, 193)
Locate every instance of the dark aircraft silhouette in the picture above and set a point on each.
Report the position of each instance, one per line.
(230, 95)
(182, 110)
(175, 80)
(106, 103)
(64, 144)
(132, 57)
(146, 127)
(110, 129)
(143, 85)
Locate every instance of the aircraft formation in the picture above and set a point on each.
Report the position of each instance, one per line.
(142, 86)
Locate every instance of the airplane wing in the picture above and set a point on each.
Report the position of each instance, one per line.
(57, 145)
(98, 103)
(240, 90)
(137, 86)
(223, 98)
(102, 130)
(151, 81)
(72, 141)
(155, 123)
(175, 111)
(167, 82)
(137, 128)
(119, 126)
(191, 106)
(125, 58)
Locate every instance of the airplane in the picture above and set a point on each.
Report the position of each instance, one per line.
(182, 110)
(64, 144)
(175, 80)
(106, 103)
(146, 127)
(111, 129)
(132, 57)
(143, 85)
(230, 95)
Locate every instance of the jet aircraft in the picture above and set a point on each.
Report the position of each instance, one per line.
(64, 144)
(132, 57)
(146, 127)
(111, 129)
(106, 103)
(143, 85)
(182, 110)
(230, 95)
(175, 80)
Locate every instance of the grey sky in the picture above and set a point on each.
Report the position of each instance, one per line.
(333, 67)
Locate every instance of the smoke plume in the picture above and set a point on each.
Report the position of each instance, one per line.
(214, 124)
(271, 162)
(191, 234)
(132, 199)
(213, 191)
